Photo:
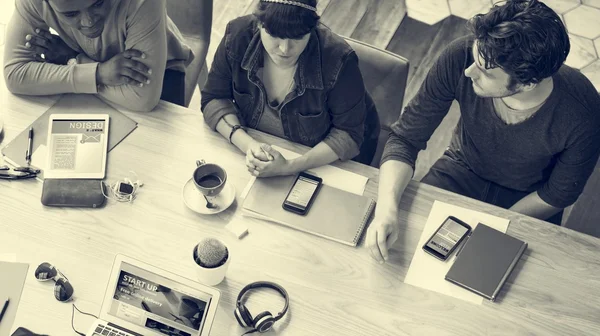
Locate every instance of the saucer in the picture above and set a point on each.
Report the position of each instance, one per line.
(194, 199)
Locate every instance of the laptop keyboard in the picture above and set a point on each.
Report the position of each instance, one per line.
(102, 330)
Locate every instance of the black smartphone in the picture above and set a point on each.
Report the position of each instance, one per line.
(447, 238)
(303, 193)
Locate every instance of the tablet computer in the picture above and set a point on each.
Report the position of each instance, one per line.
(77, 146)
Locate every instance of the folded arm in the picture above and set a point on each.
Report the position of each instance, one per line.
(24, 75)
(146, 32)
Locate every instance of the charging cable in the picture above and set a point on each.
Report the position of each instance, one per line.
(73, 318)
(124, 190)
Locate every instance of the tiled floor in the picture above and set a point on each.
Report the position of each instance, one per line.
(582, 19)
(468, 8)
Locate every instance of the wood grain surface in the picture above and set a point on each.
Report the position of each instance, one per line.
(334, 289)
(379, 22)
(343, 16)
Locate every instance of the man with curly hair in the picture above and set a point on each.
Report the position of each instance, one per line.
(528, 137)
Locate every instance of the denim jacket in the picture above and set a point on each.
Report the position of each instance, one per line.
(329, 92)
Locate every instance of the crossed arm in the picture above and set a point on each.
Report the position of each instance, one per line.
(146, 35)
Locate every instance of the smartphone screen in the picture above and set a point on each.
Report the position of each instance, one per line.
(443, 242)
(302, 191)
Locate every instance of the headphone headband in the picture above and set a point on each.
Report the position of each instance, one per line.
(266, 284)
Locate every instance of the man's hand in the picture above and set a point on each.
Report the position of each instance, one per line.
(54, 49)
(381, 235)
(263, 161)
(124, 68)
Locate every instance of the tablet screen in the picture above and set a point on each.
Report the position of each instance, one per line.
(78, 146)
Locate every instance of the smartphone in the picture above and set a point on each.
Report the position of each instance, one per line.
(303, 193)
(447, 238)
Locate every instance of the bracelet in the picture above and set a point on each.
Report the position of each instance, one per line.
(233, 128)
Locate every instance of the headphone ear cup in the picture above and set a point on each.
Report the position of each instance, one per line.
(243, 316)
(239, 318)
(264, 322)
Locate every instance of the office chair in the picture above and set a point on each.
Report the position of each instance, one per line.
(194, 20)
(385, 75)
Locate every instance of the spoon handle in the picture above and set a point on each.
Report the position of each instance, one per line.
(208, 203)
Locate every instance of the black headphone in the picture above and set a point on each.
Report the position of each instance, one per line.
(264, 321)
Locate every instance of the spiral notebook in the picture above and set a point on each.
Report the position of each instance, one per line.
(335, 214)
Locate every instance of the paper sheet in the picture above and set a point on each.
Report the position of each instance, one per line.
(332, 176)
(38, 158)
(428, 272)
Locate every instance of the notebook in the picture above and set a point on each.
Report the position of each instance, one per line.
(335, 214)
(486, 261)
(12, 282)
(120, 127)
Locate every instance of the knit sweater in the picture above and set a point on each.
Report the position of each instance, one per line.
(553, 152)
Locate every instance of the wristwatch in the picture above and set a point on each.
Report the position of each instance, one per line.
(72, 61)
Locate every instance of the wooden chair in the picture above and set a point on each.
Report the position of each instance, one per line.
(194, 20)
(385, 75)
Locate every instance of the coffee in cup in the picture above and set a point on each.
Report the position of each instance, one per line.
(209, 178)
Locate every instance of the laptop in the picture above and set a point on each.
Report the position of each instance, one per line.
(144, 300)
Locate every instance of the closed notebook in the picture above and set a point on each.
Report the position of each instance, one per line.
(486, 261)
(335, 214)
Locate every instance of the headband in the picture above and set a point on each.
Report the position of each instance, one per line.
(293, 3)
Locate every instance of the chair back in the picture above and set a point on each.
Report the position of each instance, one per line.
(385, 75)
(192, 18)
(187, 15)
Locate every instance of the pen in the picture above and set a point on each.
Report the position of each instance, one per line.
(29, 146)
(4, 309)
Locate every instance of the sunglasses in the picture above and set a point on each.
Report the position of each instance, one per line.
(63, 291)
(18, 173)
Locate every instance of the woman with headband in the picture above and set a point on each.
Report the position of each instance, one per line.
(282, 72)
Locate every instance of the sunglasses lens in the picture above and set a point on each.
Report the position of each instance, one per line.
(63, 291)
(45, 272)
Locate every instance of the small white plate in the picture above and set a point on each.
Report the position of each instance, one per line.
(194, 199)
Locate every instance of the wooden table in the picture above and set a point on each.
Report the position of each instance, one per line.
(334, 289)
